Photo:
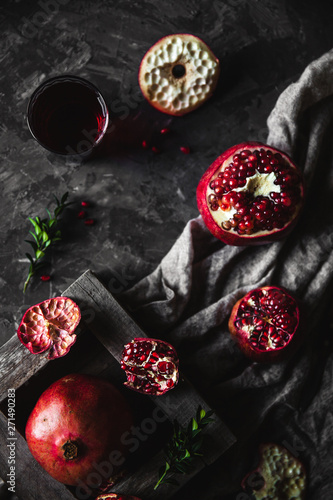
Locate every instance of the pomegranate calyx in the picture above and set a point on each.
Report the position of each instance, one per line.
(71, 449)
(151, 366)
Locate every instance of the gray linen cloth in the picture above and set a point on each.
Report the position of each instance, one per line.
(187, 300)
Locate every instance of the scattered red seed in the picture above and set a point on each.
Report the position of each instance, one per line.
(85, 203)
(45, 277)
(165, 130)
(155, 149)
(89, 222)
(82, 214)
(145, 144)
(185, 150)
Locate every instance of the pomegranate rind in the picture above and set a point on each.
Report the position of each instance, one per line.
(85, 410)
(273, 354)
(231, 237)
(116, 496)
(50, 326)
(283, 474)
(142, 374)
(193, 86)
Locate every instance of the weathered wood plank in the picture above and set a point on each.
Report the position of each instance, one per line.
(31, 481)
(17, 365)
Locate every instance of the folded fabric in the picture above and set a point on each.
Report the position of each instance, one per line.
(188, 299)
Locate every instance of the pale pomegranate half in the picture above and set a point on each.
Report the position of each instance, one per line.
(50, 326)
(151, 366)
(251, 194)
(76, 423)
(116, 496)
(278, 476)
(178, 74)
(266, 323)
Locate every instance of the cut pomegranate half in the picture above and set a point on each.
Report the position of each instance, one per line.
(279, 475)
(265, 323)
(178, 74)
(49, 326)
(251, 194)
(151, 366)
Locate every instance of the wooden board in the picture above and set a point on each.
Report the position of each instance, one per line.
(110, 324)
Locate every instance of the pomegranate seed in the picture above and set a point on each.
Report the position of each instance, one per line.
(185, 150)
(82, 214)
(155, 150)
(165, 130)
(85, 204)
(144, 144)
(89, 222)
(45, 277)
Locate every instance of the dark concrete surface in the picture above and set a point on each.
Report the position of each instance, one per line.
(140, 201)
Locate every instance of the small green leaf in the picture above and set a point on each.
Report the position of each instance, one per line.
(29, 257)
(194, 424)
(33, 244)
(64, 198)
(39, 254)
(202, 414)
(45, 236)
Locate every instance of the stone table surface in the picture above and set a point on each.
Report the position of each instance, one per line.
(140, 201)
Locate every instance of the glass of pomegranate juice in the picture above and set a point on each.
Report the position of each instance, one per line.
(68, 115)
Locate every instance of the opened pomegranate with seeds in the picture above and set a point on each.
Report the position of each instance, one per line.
(50, 326)
(75, 427)
(151, 366)
(251, 194)
(265, 323)
(279, 476)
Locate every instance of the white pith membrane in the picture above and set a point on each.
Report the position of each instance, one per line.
(267, 318)
(261, 186)
(50, 325)
(284, 475)
(146, 373)
(193, 88)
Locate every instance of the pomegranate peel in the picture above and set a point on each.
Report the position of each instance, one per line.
(279, 475)
(50, 326)
(266, 324)
(251, 194)
(178, 74)
(151, 366)
(74, 427)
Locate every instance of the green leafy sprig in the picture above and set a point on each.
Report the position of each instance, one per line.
(45, 233)
(183, 447)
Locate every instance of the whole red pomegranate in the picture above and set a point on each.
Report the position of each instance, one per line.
(77, 422)
(251, 194)
(178, 74)
(151, 366)
(266, 323)
(279, 475)
(50, 326)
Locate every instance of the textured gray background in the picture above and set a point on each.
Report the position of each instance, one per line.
(140, 201)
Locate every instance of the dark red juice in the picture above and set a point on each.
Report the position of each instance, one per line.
(68, 115)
